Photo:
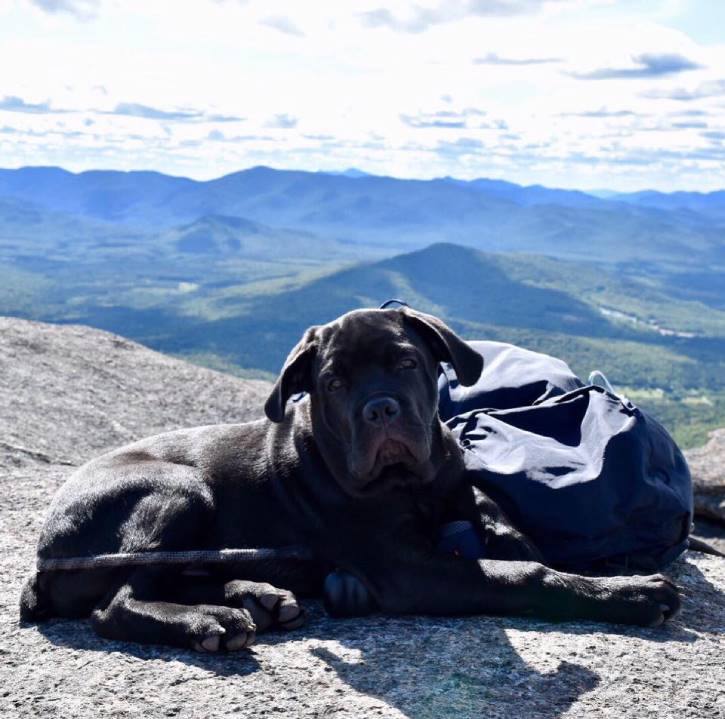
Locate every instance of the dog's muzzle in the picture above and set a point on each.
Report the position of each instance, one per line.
(389, 450)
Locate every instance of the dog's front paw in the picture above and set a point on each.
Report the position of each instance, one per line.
(647, 601)
(269, 606)
(344, 595)
(213, 629)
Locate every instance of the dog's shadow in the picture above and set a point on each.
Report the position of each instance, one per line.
(455, 668)
(435, 667)
(421, 666)
(79, 635)
(429, 667)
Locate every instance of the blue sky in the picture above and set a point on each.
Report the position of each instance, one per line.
(572, 93)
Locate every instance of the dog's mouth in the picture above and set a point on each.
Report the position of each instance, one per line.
(392, 452)
(396, 464)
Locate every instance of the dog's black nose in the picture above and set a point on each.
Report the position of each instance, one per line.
(381, 410)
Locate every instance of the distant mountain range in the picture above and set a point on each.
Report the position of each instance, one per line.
(710, 203)
(111, 194)
(386, 214)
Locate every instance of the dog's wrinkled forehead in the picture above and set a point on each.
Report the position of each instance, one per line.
(362, 335)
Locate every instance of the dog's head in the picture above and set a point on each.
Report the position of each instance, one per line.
(372, 379)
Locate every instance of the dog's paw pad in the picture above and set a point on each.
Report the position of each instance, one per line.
(269, 600)
(288, 610)
(269, 606)
(296, 622)
(208, 644)
(213, 628)
(240, 641)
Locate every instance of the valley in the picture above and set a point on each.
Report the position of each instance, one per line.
(229, 273)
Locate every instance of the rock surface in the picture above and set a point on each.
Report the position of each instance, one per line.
(707, 465)
(68, 392)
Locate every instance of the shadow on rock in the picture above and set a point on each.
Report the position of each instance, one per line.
(422, 666)
(454, 668)
(703, 602)
(79, 635)
(673, 631)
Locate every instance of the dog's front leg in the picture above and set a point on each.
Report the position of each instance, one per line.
(439, 584)
(136, 611)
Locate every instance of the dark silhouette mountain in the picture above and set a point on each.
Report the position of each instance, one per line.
(469, 288)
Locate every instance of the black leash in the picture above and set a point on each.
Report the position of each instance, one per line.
(201, 556)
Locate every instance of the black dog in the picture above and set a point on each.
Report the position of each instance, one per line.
(362, 473)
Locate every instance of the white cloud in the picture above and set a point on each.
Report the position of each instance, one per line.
(714, 88)
(283, 121)
(493, 58)
(482, 89)
(643, 66)
(79, 8)
(12, 103)
(283, 24)
(419, 17)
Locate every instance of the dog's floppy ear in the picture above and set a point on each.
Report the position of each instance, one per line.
(447, 346)
(296, 376)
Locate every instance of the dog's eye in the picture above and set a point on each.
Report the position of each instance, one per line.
(334, 384)
(408, 363)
